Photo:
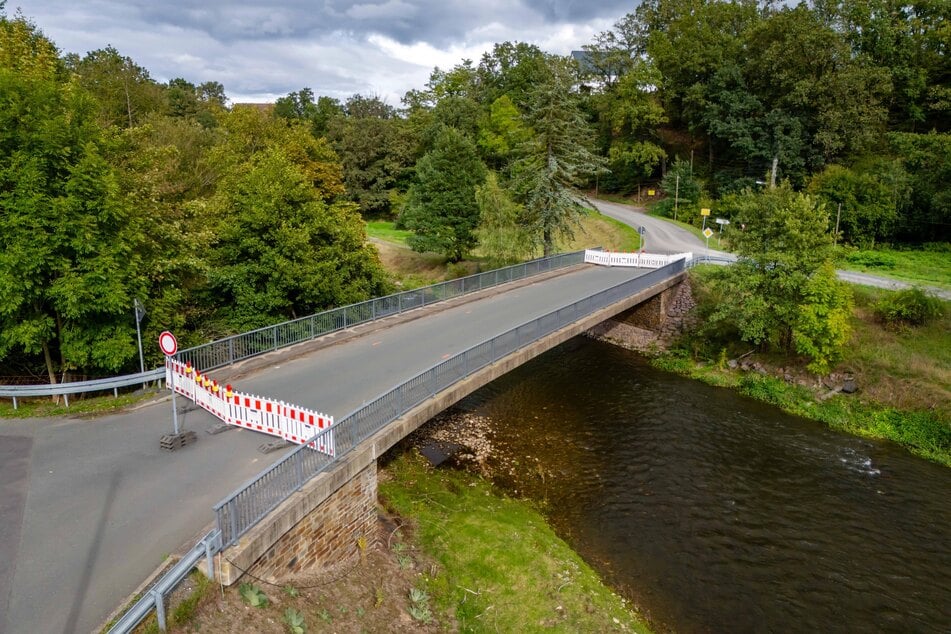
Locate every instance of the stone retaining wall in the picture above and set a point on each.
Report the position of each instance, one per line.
(330, 536)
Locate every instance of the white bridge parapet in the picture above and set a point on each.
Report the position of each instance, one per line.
(639, 260)
(290, 422)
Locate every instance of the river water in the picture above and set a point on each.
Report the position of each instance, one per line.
(716, 513)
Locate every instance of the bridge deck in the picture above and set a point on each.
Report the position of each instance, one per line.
(105, 505)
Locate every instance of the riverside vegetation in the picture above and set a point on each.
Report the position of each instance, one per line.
(899, 355)
(452, 554)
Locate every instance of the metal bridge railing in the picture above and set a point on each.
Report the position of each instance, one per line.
(237, 513)
(226, 351)
(222, 352)
(256, 498)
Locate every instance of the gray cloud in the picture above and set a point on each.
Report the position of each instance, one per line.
(337, 47)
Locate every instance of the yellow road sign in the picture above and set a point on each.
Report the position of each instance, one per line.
(704, 212)
(708, 232)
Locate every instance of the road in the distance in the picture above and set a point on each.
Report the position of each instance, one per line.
(666, 237)
(661, 236)
(103, 505)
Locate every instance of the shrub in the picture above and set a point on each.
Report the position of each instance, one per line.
(909, 307)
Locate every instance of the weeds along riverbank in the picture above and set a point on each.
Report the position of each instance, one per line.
(901, 375)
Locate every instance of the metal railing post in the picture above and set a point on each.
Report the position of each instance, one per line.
(231, 350)
(233, 517)
(159, 608)
(209, 558)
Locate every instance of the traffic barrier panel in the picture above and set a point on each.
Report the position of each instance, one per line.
(292, 423)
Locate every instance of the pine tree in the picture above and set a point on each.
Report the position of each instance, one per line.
(441, 208)
(557, 160)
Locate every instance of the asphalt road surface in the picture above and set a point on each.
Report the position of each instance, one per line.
(90, 508)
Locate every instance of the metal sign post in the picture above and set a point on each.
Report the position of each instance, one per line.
(139, 314)
(169, 345)
(721, 222)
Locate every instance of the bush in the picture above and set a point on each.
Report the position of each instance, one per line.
(909, 307)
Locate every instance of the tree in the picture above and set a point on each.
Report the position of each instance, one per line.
(68, 242)
(822, 329)
(301, 105)
(377, 152)
(441, 208)
(500, 236)
(557, 160)
(867, 201)
(926, 159)
(203, 102)
(628, 113)
(282, 251)
(502, 131)
(682, 189)
(124, 90)
(780, 291)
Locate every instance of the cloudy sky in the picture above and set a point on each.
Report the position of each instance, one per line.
(261, 51)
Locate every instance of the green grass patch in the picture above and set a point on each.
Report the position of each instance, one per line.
(385, 230)
(629, 239)
(903, 375)
(929, 266)
(78, 405)
(926, 433)
(504, 569)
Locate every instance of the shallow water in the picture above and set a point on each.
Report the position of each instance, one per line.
(716, 513)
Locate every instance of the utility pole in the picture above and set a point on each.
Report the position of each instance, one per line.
(838, 215)
(676, 195)
(772, 175)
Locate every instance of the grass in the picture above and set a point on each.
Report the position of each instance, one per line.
(504, 569)
(930, 266)
(387, 231)
(186, 605)
(409, 269)
(904, 379)
(600, 230)
(78, 405)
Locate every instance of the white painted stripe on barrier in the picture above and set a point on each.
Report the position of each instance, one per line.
(640, 260)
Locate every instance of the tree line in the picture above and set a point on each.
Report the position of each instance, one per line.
(115, 186)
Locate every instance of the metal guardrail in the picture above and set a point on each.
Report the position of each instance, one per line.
(241, 510)
(79, 387)
(154, 597)
(222, 352)
(710, 259)
(229, 350)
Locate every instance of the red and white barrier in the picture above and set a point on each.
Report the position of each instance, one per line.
(277, 418)
(640, 260)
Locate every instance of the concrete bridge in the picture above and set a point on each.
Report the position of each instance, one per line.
(83, 495)
(307, 511)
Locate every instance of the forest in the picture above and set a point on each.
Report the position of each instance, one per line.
(221, 217)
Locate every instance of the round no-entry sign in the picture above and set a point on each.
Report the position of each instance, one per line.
(168, 343)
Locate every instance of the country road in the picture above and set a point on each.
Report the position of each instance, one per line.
(666, 237)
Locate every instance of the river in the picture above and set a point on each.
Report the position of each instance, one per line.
(716, 513)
